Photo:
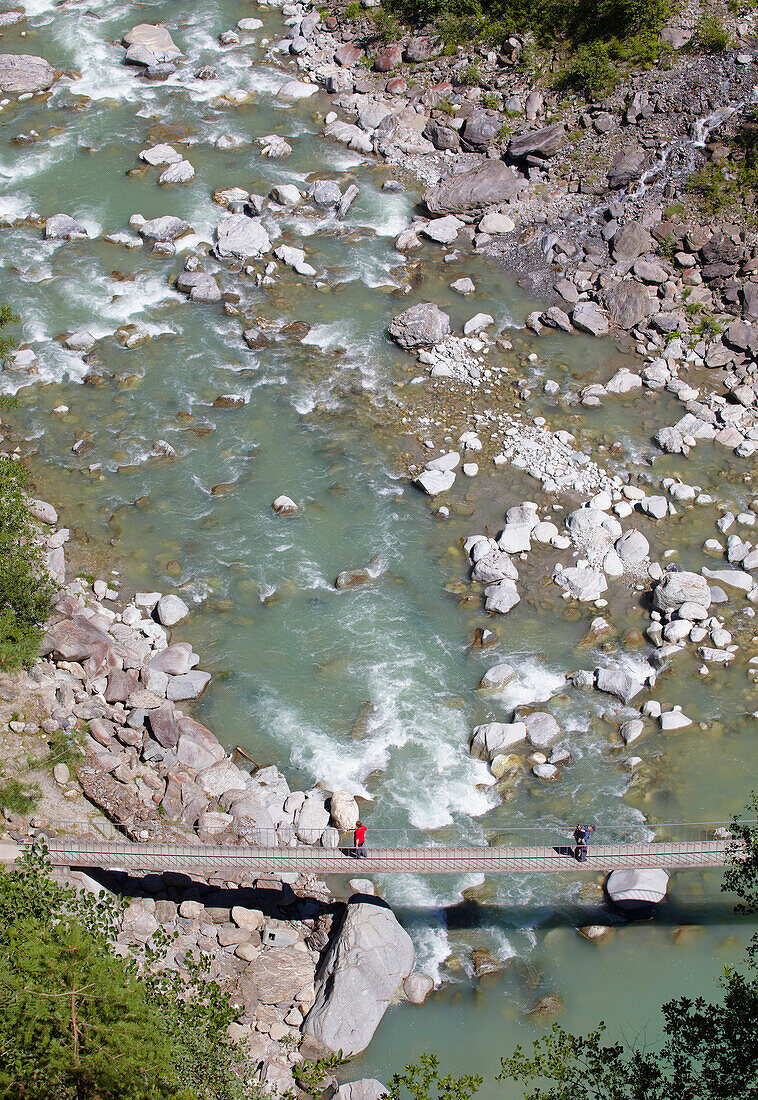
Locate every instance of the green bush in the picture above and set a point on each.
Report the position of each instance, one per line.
(714, 191)
(590, 73)
(77, 1022)
(26, 590)
(17, 797)
(386, 25)
(711, 36)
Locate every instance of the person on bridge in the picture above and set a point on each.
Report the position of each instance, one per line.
(582, 834)
(359, 841)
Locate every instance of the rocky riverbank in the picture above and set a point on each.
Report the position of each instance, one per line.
(104, 694)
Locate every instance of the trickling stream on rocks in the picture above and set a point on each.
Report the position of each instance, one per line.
(370, 689)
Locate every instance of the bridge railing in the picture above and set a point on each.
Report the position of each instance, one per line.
(548, 835)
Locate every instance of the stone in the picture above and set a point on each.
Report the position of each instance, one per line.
(197, 747)
(631, 241)
(675, 589)
(495, 567)
(613, 681)
(480, 129)
(61, 227)
(368, 1088)
(472, 192)
(589, 317)
(496, 224)
(344, 811)
(631, 730)
(181, 172)
(542, 730)
(443, 230)
(61, 774)
(544, 143)
(249, 919)
(160, 154)
(189, 686)
(297, 89)
(628, 303)
(434, 482)
(442, 137)
(501, 598)
(627, 167)
(325, 193)
(312, 820)
(637, 888)
(280, 973)
(162, 723)
(674, 720)
(417, 988)
(423, 325)
(166, 228)
(42, 511)
(199, 285)
(388, 59)
(497, 677)
(79, 341)
(171, 610)
(494, 738)
(286, 194)
(632, 547)
(24, 73)
(219, 778)
(285, 506)
(478, 323)
(174, 660)
(361, 971)
(241, 238)
(153, 38)
(582, 584)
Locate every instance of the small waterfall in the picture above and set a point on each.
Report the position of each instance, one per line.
(701, 130)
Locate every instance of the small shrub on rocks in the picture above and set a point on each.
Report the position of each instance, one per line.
(711, 36)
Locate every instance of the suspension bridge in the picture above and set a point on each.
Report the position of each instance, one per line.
(540, 849)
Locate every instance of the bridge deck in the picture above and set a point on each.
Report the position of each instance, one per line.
(207, 858)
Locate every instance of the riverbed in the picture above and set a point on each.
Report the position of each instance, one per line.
(371, 689)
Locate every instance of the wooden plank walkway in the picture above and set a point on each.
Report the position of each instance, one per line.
(209, 858)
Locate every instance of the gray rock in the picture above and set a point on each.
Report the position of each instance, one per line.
(632, 547)
(361, 971)
(344, 811)
(162, 722)
(544, 143)
(166, 228)
(497, 677)
(636, 889)
(197, 746)
(443, 230)
(631, 730)
(626, 168)
(155, 39)
(241, 238)
(199, 285)
(171, 610)
(631, 241)
(628, 303)
(220, 777)
(619, 683)
(675, 589)
(312, 820)
(61, 227)
(472, 192)
(442, 137)
(417, 988)
(368, 1088)
(22, 73)
(542, 730)
(582, 584)
(325, 193)
(422, 325)
(434, 482)
(175, 659)
(481, 128)
(189, 686)
(589, 317)
(500, 598)
(492, 738)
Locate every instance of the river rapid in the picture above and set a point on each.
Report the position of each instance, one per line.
(371, 689)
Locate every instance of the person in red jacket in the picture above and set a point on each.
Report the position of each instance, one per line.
(359, 851)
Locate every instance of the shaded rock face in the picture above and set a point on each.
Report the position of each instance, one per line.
(473, 192)
(420, 326)
(543, 143)
(360, 973)
(21, 73)
(480, 129)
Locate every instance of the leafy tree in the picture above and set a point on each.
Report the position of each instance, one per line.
(590, 71)
(26, 590)
(76, 1012)
(422, 1081)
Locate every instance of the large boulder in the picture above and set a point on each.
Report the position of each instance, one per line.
(481, 128)
(675, 589)
(156, 40)
(543, 143)
(312, 820)
(197, 746)
(471, 192)
(631, 241)
(366, 962)
(589, 317)
(367, 1088)
(637, 888)
(628, 303)
(241, 238)
(626, 168)
(344, 811)
(20, 73)
(420, 326)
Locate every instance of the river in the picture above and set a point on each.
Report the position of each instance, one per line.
(371, 689)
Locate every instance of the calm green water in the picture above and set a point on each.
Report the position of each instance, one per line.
(373, 689)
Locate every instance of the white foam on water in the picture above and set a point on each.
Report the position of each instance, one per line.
(30, 161)
(534, 683)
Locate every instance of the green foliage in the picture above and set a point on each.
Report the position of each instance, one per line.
(711, 36)
(26, 590)
(17, 797)
(706, 327)
(312, 1077)
(386, 25)
(7, 343)
(143, 1033)
(676, 210)
(693, 309)
(422, 1081)
(715, 192)
(668, 247)
(492, 101)
(590, 72)
(741, 877)
(353, 10)
(9, 401)
(64, 747)
(471, 75)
